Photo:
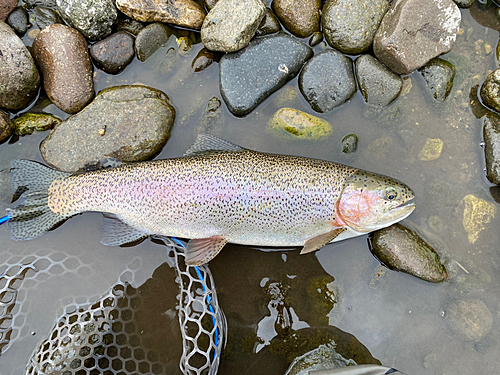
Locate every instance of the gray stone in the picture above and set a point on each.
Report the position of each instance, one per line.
(249, 76)
(93, 18)
(6, 126)
(62, 54)
(350, 25)
(301, 18)
(378, 85)
(128, 24)
(268, 25)
(230, 25)
(18, 20)
(438, 75)
(6, 6)
(19, 78)
(46, 16)
(204, 59)
(414, 31)
(490, 91)
(44, 3)
(212, 121)
(470, 319)
(491, 135)
(349, 143)
(113, 53)
(401, 249)
(185, 13)
(151, 38)
(128, 123)
(327, 81)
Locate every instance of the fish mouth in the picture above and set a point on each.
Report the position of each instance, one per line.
(393, 216)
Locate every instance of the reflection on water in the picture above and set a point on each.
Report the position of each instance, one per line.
(281, 305)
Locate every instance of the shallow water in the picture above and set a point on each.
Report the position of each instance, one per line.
(401, 320)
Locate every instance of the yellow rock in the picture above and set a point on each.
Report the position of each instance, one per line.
(292, 123)
(431, 150)
(477, 214)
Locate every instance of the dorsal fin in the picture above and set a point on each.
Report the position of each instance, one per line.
(206, 143)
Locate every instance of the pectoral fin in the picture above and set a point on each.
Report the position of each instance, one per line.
(202, 250)
(318, 242)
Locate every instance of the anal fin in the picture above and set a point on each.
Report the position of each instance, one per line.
(318, 242)
(115, 232)
(202, 250)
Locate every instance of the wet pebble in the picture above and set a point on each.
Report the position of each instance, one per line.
(94, 19)
(114, 53)
(401, 249)
(27, 123)
(291, 123)
(470, 319)
(6, 126)
(249, 76)
(269, 24)
(19, 78)
(491, 136)
(432, 149)
(327, 81)
(301, 18)
(349, 143)
(152, 37)
(6, 7)
(128, 24)
(230, 25)
(134, 124)
(378, 85)
(204, 59)
(62, 54)
(438, 75)
(350, 25)
(18, 20)
(400, 46)
(316, 38)
(185, 13)
(490, 91)
(46, 16)
(478, 214)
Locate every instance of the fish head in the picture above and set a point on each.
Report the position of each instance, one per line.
(371, 201)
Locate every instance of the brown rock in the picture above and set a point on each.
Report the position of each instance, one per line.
(300, 17)
(6, 126)
(6, 6)
(114, 53)
(62, 55)
(178, 12)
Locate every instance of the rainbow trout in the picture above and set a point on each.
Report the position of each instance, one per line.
(217, 193)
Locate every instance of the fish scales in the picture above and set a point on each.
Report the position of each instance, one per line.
(248, 197)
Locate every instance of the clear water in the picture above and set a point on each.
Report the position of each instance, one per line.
(402, 321)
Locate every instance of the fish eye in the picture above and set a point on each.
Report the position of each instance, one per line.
(391, 194)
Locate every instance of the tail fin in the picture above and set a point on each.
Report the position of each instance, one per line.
(31, 217)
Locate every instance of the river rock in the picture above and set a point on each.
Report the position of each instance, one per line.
(349, 143)
(6, 7)
(401, 249)
(470, 319)
(230, 25)
(316, 38)
(204, 59)
(18, 20)
(291, 123)
(478, 213)
(27, 123)
(378, 85)
(249, 76)
(114, 53)
(327, 81)
(128, 24)
(93, 19)
(128, 123)
(432, 149)
(62, 54)
(268, 25)
(19, 78)
(185, 13)
(151, 38)
(490, 91)
(46, 16)
(322, 358)
(301, 18)
(438, 75)
(6, 126)
(46, 3)
(413, 32)
(350, 25)
(491, 136)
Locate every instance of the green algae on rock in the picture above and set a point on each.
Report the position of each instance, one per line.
(477, 215)
(438, 75)
(27, 123)
(401, 249)
(291, 123)
(431, 150)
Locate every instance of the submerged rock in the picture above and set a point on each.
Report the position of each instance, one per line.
(19, 78)
(62, 54)
(114, 53)
(349, 143)
(294, 124)
(231, 24)
(322, 358)
(470, 319)
(490, 91)
(414, 31)
(349, 26)
(268, 25)
(491, 136)
(431, 150)
(301, 18)
(18, 20)
(128, 24)
(378, 85)
(204, 59)
(27, 123)
(152, 37)
(477, 215)
(249, 76)
(401, 249)
(6, 126)
(327, 81)
(212, 121)
(438, 75)
(134, 123)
